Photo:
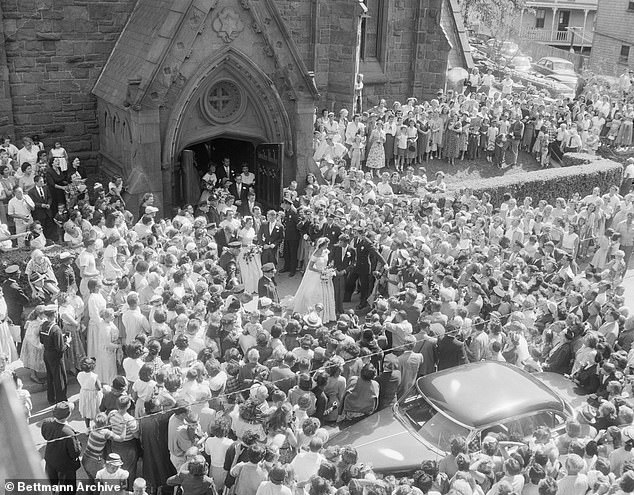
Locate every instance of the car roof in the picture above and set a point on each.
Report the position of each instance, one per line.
(487, 392)
(556, 59)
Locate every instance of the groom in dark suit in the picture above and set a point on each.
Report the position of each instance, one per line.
(270, 237)
(344, 258)
(291, 237)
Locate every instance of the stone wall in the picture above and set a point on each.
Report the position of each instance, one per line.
(55, 50)
(6, 106)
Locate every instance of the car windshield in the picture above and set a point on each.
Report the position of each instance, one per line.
(563, 67)
(432, 426)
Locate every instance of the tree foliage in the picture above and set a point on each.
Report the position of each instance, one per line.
(499, 17)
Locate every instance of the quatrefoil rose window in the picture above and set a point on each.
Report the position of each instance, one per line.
(223, 102)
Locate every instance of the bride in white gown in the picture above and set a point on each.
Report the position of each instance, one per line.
(316, 286)
(248, 262)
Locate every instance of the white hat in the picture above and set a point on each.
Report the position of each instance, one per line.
(150, 209)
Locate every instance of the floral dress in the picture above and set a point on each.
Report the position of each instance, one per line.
(70, 324)
(452, 144)
(376, 155)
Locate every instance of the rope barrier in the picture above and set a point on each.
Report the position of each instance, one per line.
(231, 394)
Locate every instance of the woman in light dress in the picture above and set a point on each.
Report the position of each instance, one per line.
(60, 153)
(90, 393)
(32, 352)
(7, 345)
(108, 344)
(316, 286)
(111, 268)
(250, 265)
(376, 155)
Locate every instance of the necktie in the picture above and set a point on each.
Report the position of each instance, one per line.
(343, 254)
(40, 192)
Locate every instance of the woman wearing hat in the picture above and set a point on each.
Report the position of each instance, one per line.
(39, 271)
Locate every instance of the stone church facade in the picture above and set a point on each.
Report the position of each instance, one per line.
(152, 89)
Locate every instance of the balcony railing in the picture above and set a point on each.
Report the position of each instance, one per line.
(548, 36)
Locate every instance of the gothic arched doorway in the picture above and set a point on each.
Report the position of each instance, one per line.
(233, 107)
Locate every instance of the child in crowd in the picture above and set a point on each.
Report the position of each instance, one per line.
(90, 393)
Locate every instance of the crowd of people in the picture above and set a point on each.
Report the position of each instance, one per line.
(194, 371)
(489, 120)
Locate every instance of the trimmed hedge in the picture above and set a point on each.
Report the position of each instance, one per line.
(584, 173)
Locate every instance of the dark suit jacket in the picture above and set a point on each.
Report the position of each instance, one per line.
(16, 299)
(264, 237)
(451, 352)
(221, 174)
(347, 262)
(40, 213)
(246, 210)
(332, 232)
(268, 288)
(367, 255)
(244, 191)
(222, 241)
(213, 216)
(291, 219)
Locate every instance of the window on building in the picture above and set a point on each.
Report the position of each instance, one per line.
(540, 18)
(630, 6)
(625, 54)
(372, 30)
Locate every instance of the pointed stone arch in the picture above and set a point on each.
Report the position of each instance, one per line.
(235, 67)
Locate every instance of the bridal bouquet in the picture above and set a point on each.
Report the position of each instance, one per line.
(328, 274)
(251, 252)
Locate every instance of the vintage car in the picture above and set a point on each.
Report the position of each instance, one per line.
(558, 69)
(471, 401)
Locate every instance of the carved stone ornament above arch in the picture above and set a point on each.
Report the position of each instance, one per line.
(224, 102)
(221, 91)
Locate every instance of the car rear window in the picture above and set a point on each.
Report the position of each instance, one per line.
(431, 425)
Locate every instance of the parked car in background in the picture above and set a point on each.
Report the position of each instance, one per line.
(521, 63)
(469, 401)
(495, 48)
(558, 69)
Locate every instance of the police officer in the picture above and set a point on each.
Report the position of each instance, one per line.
(55, 345)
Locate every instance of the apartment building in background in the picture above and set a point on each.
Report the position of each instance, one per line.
(566, 24)
(613, 46)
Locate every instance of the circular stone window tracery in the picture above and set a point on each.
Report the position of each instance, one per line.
(223, 102)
